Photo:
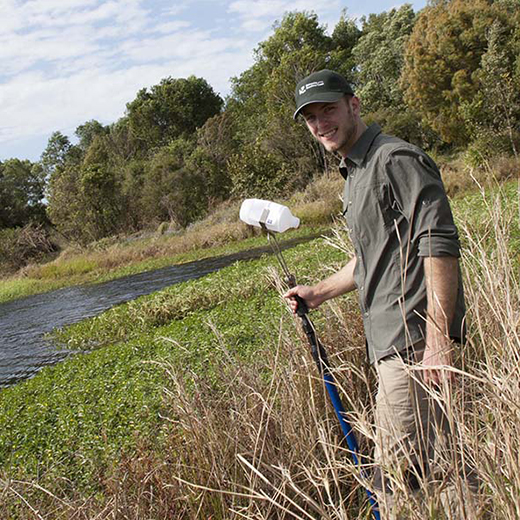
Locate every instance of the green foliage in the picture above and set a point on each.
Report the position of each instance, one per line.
(85, 201)
(173, 108)
(88, 131)
(79, 420)
(58, 153)
(344, 39)
(170, 190)
(275, 154)
(216, 143)
(493, 115)
(22, 187)
(379, 55)
(257, 173)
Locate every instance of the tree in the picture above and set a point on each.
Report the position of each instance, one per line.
(171, 191)
(174, 108)
(493, 115)
(65, 205)
(216, 144)
(263, 99)
(85, 199)
(22, 186)
(257, 173)
(58, 152)
(379, 55)
(88, 131)
(442, 58)
(343, 41)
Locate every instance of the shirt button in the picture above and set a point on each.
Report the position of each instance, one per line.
(366, 314)
(362, 288)
(349, 202)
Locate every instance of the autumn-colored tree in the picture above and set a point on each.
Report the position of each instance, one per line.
(442, 58)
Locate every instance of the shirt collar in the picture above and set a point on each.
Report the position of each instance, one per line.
(360, 149)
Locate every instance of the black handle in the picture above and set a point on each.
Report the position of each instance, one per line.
(302, 306)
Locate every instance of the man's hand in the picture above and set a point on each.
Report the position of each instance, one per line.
(305, 293)
(438, 356)
(339, 283)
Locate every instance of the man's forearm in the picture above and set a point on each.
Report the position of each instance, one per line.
(339, 283)
(441, 277)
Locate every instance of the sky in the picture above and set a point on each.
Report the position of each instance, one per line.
(65, 62)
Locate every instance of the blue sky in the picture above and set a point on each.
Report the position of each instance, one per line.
(65, 62)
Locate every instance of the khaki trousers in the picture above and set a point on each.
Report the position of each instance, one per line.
(410, 426)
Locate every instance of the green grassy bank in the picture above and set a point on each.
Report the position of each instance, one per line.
(201, 401)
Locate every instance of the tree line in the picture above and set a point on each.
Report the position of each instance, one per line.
(445, 77)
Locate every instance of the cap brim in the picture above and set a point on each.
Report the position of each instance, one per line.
(324, 97)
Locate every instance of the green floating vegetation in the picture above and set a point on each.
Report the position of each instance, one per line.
(80, 417)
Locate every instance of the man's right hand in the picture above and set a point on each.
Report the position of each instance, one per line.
(305, 293)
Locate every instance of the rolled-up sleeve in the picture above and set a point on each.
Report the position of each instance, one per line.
(419, 193)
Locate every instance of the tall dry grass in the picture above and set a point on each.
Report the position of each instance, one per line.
(261, 442)
(271, 448)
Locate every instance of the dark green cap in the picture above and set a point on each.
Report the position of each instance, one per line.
(323, 86)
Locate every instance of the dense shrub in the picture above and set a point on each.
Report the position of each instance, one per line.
(19, 246)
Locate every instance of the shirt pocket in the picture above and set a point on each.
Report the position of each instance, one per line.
(388, 206)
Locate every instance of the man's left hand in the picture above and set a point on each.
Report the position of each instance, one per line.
(437, 362)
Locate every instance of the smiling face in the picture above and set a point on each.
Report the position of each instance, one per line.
(337, 126)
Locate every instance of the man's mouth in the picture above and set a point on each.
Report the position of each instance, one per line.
(329, 134)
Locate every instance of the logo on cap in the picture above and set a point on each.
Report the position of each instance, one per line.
(308, 86)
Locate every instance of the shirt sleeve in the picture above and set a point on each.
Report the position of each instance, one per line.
(416, 184)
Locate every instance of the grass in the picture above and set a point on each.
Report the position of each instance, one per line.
(202, 401)
(220, 233)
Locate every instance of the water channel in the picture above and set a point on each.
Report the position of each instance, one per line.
(24, 323)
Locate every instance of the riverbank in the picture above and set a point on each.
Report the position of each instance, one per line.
(202, 401)
(221, 233)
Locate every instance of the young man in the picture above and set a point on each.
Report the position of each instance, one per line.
(405, 270)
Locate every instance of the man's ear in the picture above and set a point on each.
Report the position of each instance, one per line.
(355, 103)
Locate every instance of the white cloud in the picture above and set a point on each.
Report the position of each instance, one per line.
(257, 16)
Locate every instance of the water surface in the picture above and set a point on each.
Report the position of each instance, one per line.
(24, 323)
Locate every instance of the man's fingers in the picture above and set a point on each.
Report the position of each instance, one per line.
(436, 376)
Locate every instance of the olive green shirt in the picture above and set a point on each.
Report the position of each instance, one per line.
(397, 212)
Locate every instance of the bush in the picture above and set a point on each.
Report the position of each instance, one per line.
(488, 145)
(19, 246)
(257, 173)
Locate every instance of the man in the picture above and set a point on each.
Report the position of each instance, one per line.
(405, 270)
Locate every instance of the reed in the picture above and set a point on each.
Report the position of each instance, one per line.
(246, 431)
